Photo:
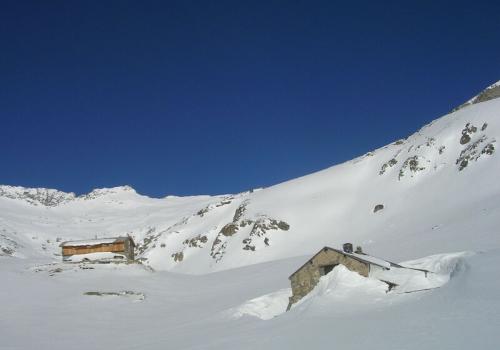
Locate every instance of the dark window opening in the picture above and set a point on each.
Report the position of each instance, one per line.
(323, 270)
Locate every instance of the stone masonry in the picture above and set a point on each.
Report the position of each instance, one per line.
(307, 277)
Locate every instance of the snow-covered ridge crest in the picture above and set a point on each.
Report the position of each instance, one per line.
(490, 93)
(51, 197)
(99, 192)
(36, 196)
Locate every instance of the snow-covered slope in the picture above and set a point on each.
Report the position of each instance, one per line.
(430, 201)
(438, 188)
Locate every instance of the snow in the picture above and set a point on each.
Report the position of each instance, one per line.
(191, 312)
(237, 299)
(95, 257)
(88, 242)
(344, 287)
(371, 259)
(266, 306)
(441, 267)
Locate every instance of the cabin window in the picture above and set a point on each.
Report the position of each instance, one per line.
(323, 270)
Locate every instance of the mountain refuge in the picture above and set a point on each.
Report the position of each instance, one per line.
(117, 249)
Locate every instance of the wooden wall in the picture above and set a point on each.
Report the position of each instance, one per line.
(118, 247)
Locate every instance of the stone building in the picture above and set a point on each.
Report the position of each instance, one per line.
(307, 276)
(118, 248)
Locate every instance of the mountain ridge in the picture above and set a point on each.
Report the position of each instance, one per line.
(453, 156)
(490, 93)
(52, 197)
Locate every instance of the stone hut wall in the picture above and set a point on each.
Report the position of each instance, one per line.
(307, 277)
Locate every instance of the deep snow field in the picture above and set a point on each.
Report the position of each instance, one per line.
(224, 310)
(213, 270)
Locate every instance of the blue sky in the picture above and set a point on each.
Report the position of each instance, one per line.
(200, 97)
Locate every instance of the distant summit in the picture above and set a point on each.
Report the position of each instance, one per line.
(490, 93)
(37, 196)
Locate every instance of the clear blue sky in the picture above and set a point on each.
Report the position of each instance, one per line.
(209, 97)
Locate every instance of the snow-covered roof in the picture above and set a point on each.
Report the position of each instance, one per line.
(370, 259)
(360, 257)
(98, 241)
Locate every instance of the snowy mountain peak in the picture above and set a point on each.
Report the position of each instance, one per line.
(100, 192)
(490, 93)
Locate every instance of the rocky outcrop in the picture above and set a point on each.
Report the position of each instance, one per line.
(474, 151)
(149, 241)
(387, 165)
(229, 229)
(477, 144)
(259, 230)
(466, 133)
(411, 166)
(8, 246)
(240, 211)
(225, 201)
(490, 93)
(196, 242)
(178, 257)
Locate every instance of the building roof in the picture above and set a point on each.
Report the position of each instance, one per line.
(367, 259)
(97, 241)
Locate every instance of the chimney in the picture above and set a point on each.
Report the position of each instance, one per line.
(347, 247)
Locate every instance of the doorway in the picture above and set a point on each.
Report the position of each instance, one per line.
(323, 270)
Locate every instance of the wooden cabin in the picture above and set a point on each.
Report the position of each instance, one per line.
(95, 249)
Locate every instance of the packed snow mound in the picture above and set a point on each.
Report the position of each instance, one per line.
(424, 274)
(444, 264)
(100, 256)
(345, 291)
(264, 307)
